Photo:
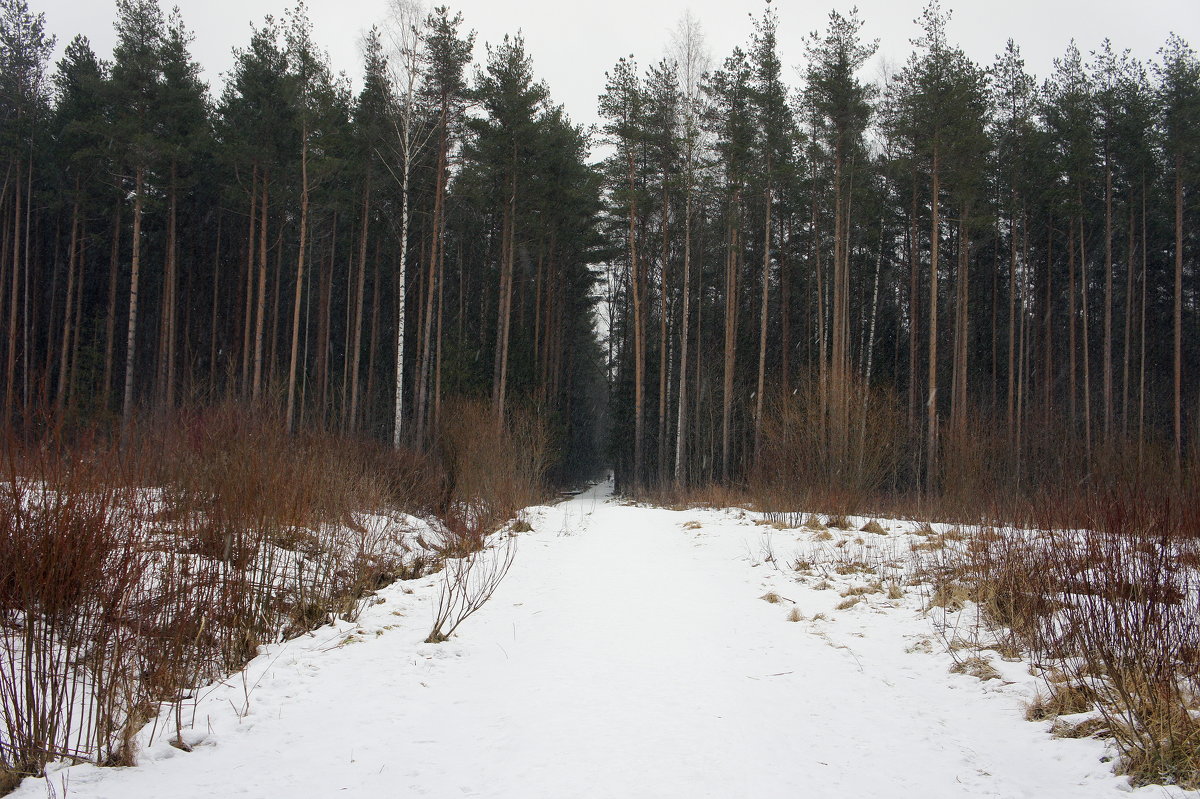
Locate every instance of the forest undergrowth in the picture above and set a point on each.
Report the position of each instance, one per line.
(135, 568)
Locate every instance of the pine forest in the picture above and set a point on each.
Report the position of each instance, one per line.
(868, 285)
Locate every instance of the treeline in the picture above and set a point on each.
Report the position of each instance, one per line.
(960, 273)
(354, 259)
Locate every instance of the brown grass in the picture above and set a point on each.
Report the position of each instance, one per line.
(130, 574)
(1111, 606)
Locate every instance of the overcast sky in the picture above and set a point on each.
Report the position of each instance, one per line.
(574, 43)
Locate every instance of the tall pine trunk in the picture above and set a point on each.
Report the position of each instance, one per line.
(1177, 396)
(359, 294)
(639, 340)
(72, 267)
(762, 327)
(260, 314)
(931, 410)
(110, 319)
(292, 364)
(10, 370)
(135, 272)
(731, 290)
(681, 420)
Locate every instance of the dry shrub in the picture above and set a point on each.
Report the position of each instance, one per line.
(803, 463)
(493, 468)
(72, 553)
(1110, 607)
(239, 467)
(468, 582)
(130, 575)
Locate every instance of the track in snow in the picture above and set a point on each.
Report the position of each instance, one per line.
(622, 657)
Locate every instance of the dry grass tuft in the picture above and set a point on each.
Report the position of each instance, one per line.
(813, 522)
(1065, 699)
(1094, 727)
(951, 596)
(976, 667)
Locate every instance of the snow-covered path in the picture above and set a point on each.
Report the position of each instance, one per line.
(624, 656)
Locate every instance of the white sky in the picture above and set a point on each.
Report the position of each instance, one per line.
(574, 43)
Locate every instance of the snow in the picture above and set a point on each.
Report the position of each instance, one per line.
(629, 653)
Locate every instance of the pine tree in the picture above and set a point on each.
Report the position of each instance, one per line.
(621, 106)
(1069, 113)
(136, 82)
(25, 50)
(842, 105)
(691, 62)
(184, 128)
(924, 116)
(1179, 76)
(513, 100)
(1013, 98)
(444, 91)
(732, 125)
(775, 153)
(79, 126)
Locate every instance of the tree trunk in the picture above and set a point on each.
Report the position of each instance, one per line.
(325, 323)
(1108, 301)
(248, 314)
(1087, 373)
(110, 320)
(135, 271)
(72, 268)
(401, 304)
(762, 326)
(931, 406)
(639, 340)
(1012, 325)
(914, 308)
(426, 342)
(1071, 344)
(260, 317)
(1128, 332)
(10, 371)
(359, 295)
(291, 400)
(681, 420)
(731, 286)
(504, 303)
(1177, 404)
(663, 354)
(168, 311)
(958, 404)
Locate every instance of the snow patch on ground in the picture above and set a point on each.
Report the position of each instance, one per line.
(631, 652)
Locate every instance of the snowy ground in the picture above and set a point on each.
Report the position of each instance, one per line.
(629, 653)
